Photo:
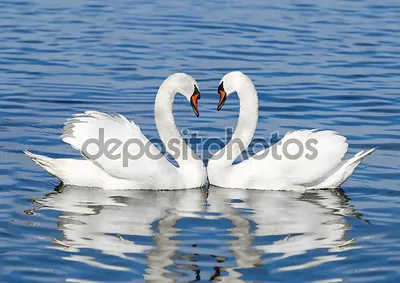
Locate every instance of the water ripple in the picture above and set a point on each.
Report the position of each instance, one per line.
(328, 64)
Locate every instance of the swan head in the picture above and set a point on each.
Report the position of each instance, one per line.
(229, 84)
(188, 87)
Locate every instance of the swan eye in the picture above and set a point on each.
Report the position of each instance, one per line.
(221, 87)
(196, 91)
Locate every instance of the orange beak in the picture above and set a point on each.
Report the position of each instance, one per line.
(194, 100)
(222, 98)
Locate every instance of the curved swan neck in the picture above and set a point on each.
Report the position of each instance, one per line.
(246, 125)
(166, 126)
(248, 115)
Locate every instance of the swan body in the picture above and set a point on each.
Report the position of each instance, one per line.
(278, 167)
(136, 163)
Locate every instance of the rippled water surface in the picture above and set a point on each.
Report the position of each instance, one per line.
(316, 64)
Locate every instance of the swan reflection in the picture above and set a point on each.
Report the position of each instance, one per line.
(109, 221)
(267, 226)
(274, 225)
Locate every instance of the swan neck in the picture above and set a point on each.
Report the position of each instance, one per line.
(245, 128)
(167, 129)
(248, 115)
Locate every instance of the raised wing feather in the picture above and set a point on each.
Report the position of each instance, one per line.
(96, 135)
(321, 152)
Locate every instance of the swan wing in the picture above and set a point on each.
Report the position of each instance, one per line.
(115, 144)
(303, 157)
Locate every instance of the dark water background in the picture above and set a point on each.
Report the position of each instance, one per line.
(316, 64)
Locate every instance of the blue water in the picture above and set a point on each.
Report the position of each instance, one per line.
(316, 64)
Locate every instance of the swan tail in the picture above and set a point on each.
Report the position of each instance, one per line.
(351, 164)
(75, 172)
(49, 164)
(360, 156)
(344, 171)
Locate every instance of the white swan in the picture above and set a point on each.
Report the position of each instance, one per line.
(278, 167)
(136, 163)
